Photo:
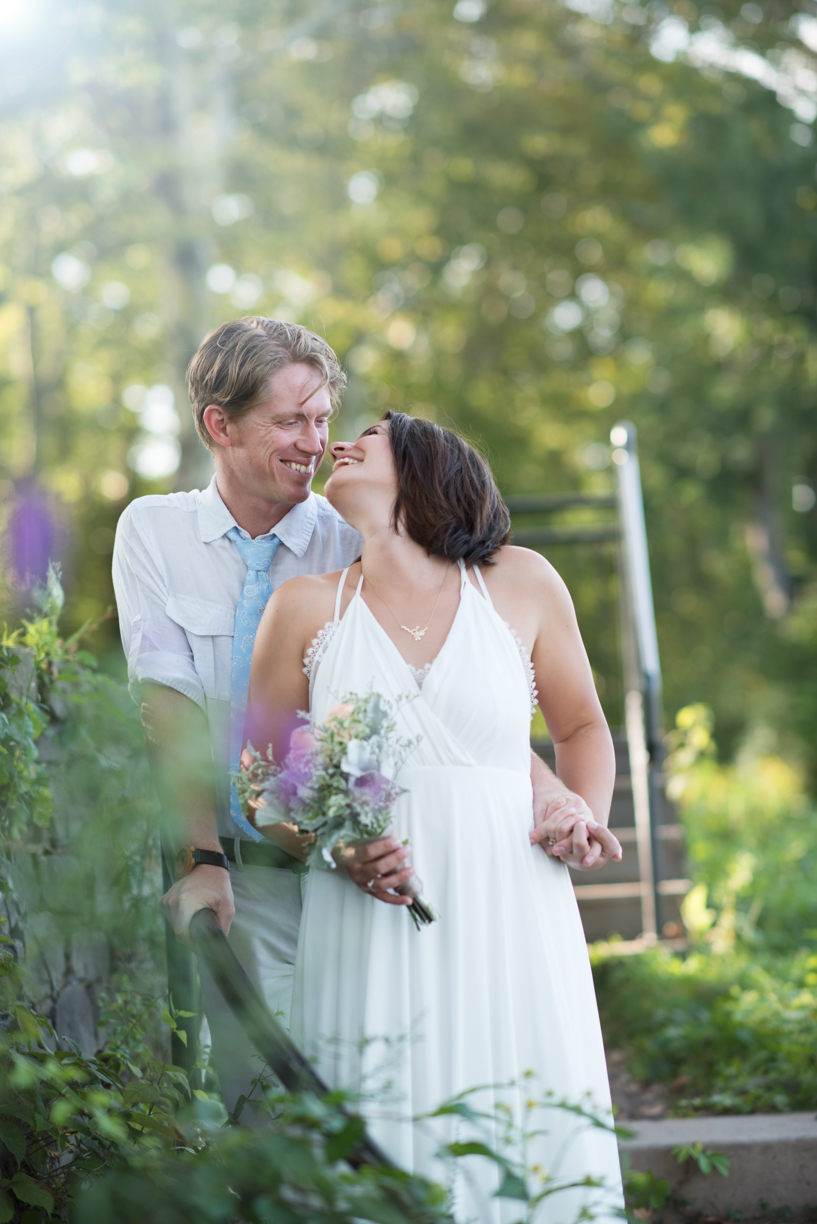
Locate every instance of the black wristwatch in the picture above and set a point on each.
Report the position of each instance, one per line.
(189, 857)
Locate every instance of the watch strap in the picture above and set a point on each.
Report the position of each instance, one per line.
(190, 857)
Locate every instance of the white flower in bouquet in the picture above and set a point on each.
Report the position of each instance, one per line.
(338, 783)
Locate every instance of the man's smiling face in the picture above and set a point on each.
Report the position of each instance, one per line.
(277, 447)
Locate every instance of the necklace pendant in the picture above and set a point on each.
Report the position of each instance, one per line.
(415, 633)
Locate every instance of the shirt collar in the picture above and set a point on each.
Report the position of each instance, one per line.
(294, 530)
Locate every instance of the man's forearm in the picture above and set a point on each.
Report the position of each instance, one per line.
(545, 781)
(178, 745)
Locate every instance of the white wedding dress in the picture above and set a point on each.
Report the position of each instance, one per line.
(501, 985)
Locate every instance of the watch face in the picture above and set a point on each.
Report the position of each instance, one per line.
(184, 862)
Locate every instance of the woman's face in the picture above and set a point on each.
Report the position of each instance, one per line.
(363, 474)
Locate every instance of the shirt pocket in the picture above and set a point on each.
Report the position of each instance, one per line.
(209, 630)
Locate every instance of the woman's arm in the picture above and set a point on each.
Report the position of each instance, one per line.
(537, 603)
(278, 686)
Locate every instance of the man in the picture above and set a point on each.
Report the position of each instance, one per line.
(192, 572)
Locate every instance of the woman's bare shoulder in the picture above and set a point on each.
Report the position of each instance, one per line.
(513, 564)
(307, 586)
(304, 600)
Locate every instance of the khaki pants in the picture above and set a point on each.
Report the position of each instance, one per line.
(264, 937)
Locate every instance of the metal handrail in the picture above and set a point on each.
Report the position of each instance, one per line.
(637, 561)
(642, 668)
(593, 533)
(276, 1047)
(281, 1054)
(544, 503)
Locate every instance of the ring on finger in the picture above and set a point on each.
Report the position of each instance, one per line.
(551, 841)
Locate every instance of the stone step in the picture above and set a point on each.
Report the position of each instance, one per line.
(773, 1161)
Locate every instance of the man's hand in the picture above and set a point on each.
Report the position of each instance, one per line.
(204, 888)
(564, 819)
(578, 839)
(377, 866)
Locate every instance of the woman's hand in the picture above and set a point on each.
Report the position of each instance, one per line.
(377, 866)
(555, 815)
(286, 836)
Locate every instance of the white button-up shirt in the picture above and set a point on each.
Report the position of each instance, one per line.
(178, 581)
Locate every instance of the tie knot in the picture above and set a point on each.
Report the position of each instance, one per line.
(256, 554)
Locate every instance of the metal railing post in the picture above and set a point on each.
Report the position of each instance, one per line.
(183, 992)
(283, 1057)
(642, 668)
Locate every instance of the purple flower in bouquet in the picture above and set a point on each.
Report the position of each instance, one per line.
(293, 788)
(373, 787)
(338, 784)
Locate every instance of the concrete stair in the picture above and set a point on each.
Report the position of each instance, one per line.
(773, 1163)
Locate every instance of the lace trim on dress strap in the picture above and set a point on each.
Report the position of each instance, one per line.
(319, 644)
(527, 663)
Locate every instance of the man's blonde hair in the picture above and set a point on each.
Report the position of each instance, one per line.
(234, 364)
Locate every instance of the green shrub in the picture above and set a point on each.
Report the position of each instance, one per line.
(730, 1023)
(751, 836)
(78, 819)
(730, 1032)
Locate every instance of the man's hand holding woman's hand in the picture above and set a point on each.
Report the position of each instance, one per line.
(565, 828)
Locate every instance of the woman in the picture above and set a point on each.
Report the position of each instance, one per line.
(444, 618)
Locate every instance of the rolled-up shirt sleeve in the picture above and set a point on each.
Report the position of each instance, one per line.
(157, 648)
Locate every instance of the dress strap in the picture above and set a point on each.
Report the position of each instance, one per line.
(340, 593)
(360, 582)
(463, 574)
(481, 582)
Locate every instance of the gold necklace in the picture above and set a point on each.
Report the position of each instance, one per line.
(418, 632)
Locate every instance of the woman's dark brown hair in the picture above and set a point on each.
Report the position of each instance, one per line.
(446, 497)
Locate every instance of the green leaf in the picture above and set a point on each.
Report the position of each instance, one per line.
(341, 1144)
(473, 1149)
(513, 1187)
(200, 1095)
(151, 1123)
(645, 1189)
(28, 1191)
(139, 1093)
(168, 1019)
(182, 1036)
(13, 1138)
(6, 1208)
(456, 1107)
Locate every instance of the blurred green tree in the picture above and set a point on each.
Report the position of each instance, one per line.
(526, 219)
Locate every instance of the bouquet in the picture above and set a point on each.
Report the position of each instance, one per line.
(337, 784)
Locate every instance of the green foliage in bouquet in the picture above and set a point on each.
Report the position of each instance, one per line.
(338, 782)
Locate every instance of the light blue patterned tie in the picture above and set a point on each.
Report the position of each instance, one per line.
(257, 556)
